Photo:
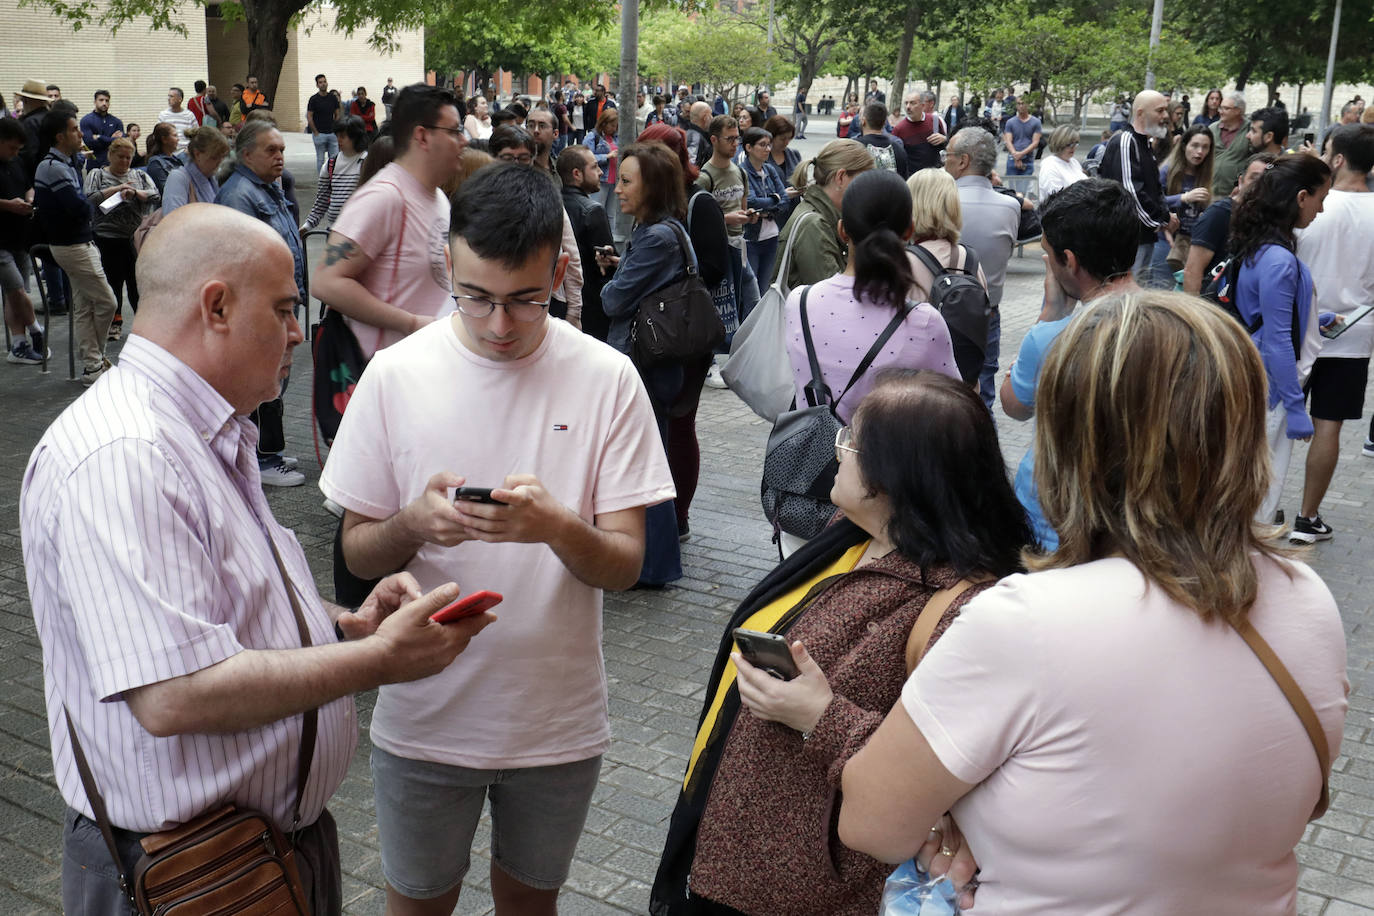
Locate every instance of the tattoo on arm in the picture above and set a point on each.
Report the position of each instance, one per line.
(338, 251)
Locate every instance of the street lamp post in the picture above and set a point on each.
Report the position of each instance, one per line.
(1330, 86)
(1156, 24)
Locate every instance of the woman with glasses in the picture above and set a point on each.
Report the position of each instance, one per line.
(652, 192)
(927, 507)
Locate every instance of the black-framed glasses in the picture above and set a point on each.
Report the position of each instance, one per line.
(844, 439)
(517, 309)
(456, 131)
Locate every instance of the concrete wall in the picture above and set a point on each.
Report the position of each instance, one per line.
(136, 65)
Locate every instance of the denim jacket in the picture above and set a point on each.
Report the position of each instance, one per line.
(263, 200)
(652, 260)
(767, 194)
(596, 142)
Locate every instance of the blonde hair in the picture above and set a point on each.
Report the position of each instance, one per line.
(469, 161)
(935, 210)
(1368, 116)
(123, 143)
(850, 155)
(207, 141)
(1168, 479)
(1064, 136)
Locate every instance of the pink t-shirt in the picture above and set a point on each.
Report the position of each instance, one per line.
(407, 245)
(531, 689)
(843, 328)
(1127, 757)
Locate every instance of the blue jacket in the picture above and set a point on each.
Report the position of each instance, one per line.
(1271, 284)
(60, 205)
(596, 142)
(767, 194)
(262, 200)
(98, 132)
(652, 260)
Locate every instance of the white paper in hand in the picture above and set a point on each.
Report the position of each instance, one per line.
(111, 202)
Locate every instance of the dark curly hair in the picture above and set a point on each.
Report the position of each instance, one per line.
(927, 443)
(1268, 212)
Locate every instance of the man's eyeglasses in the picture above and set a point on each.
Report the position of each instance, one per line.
(843, 439)
(456, 131)
(517, 309)
(524, 157)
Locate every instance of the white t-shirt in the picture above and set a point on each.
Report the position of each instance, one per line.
(1127, 757)
(1056, 174)
(531, 689)
(1339, 250)
(183, 121)
(407, 244)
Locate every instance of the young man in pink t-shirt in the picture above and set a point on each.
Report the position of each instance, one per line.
(385, 267)
(559, 425)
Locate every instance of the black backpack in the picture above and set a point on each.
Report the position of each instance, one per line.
(963, 302)
(1220, 290)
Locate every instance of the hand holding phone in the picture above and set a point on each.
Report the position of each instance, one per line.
(472, 605)
(767, 651)
(475, 495)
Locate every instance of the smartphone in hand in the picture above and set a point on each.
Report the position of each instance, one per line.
(470, 606)
(768, 651)
(475, 495)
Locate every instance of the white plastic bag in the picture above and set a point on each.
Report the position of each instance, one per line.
(758, 369)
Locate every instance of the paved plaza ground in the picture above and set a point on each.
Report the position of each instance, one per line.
(658, 647)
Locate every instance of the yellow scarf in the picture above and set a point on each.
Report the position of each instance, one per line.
(764, 620)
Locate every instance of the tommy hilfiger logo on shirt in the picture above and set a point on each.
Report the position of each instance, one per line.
(560, 427)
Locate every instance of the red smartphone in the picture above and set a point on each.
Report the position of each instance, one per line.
(473, 604)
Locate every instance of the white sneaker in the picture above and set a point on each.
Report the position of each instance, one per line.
(713, 378)
(1368, 450)
(276, 474)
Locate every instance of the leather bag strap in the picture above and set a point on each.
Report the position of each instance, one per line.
(309, 731)
(929, 619)
(817, 389)
(1298, 700)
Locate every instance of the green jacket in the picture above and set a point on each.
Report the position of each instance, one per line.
(818, 253)
(1230, 160)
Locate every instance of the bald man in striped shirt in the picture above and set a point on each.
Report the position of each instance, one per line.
(169, 637)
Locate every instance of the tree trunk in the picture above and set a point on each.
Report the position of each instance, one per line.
(267, 23)
(909, 24)
(629, 53)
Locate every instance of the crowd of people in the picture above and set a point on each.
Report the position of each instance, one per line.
(961, 641)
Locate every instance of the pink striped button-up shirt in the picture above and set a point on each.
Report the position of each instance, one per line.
(145, 544)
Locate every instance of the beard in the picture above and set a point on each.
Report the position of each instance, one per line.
(1157, 132)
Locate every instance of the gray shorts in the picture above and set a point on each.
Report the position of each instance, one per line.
(427, 814)
(14, 270)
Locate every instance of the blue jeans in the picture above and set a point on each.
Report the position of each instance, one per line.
(1030, 164)
(326, 145)
(761, 257)
(1144, 258)
(987, 379)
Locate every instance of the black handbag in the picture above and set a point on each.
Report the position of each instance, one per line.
(799, 464)
(678, 322)
(339, 363)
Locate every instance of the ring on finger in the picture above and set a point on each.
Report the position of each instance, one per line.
(946, 851)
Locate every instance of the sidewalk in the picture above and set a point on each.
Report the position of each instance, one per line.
(658, 645)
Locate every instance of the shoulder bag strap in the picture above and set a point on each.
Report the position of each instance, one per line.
(902, 311)
(787, 254)
(309, 731)
(816, 392)
(1298, 700)
(930, 617)
(310, 726)
(683, 244)
(931, 263)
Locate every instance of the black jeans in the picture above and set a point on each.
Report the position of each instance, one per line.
(90, 885)
(117, 256)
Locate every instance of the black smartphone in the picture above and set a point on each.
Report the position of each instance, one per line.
(475, 495)
(606, 250)
(768, 651)
(1309, 136)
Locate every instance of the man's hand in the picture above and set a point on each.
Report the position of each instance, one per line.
(798, 703)
(116, 135)
(1057, 303)
(945, 853)
(17, 206)
(737, 218)
(413, 646)
(936, 139)
(793, 192)
(390, 594)
(1173, 222)
(525, 513)
(431, 516)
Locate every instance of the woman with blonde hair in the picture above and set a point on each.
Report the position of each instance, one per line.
(114, 229)
(936, 221)
(196, 182)
(1060, 168)
(1117, 692)
(818, 252)
(469, 161)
